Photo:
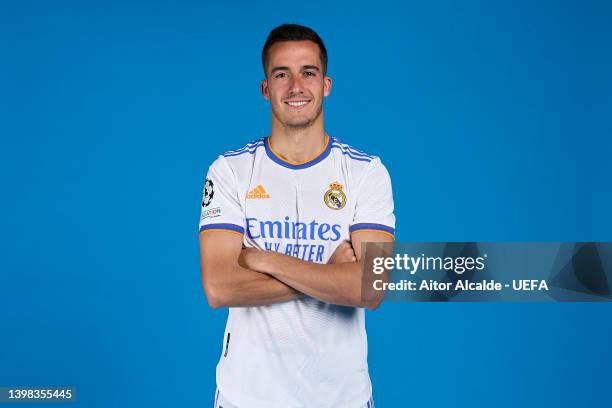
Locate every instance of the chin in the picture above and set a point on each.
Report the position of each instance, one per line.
(299, 123)
(294, 120)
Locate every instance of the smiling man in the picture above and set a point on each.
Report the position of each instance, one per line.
(278, 219)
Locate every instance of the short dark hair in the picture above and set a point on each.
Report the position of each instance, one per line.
(293, 32)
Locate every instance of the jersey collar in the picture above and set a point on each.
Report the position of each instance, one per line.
(296, 166)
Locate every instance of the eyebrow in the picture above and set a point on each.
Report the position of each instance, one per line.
(276, 69)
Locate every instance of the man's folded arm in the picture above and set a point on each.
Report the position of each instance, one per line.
(336, 283)
(226, 283)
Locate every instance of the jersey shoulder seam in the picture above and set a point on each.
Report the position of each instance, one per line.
(249, 148)
(352, 152)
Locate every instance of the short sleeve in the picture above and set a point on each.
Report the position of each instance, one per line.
(221, 209)
(374, 207)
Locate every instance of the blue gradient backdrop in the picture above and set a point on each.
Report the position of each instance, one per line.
(493, 118)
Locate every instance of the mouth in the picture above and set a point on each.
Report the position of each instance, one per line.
(297, 104)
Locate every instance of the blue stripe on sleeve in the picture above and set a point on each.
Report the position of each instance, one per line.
(370, 226)
(229, 227)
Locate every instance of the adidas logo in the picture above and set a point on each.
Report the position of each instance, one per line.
(258, 192)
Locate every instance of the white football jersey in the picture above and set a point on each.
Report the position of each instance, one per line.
(304, 352)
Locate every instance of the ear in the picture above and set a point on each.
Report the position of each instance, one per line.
(327, 84)
(264, 89)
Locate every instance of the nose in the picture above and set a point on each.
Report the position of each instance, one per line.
(296, 86)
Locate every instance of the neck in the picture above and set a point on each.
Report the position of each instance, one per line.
(298, 145)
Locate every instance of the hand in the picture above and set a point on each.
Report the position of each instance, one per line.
(248, 258)
(343, 254)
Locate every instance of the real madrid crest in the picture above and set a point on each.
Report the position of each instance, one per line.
(334, 197)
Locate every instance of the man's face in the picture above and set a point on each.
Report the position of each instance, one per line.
(295, 83)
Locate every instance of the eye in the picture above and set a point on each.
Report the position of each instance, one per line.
(309, 73)
(280, 75)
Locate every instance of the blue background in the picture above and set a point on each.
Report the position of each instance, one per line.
(493, 118)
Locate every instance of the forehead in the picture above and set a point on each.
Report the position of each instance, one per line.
(294, 54)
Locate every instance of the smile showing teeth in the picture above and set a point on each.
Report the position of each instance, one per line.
(297, 104)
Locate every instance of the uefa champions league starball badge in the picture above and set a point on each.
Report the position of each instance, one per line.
(334, 197)
(209, 192)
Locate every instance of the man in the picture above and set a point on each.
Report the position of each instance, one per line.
(276, 215)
